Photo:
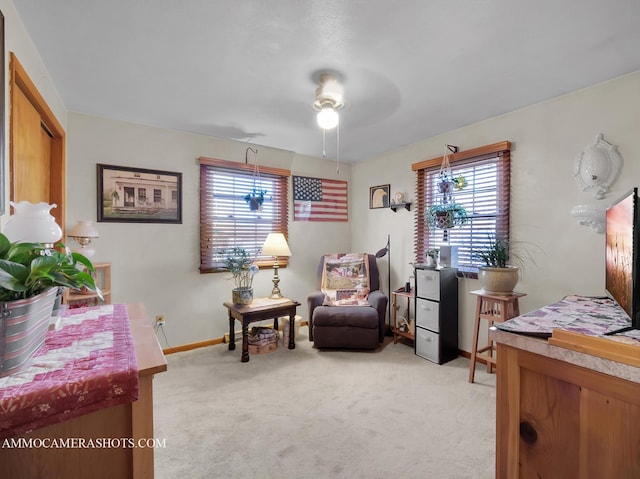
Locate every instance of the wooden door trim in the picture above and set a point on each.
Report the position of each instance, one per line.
(19, 79)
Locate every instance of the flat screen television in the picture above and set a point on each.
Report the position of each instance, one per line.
(621, 256)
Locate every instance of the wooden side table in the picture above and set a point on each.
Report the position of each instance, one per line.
(102, 278)
(260, 309)
(492, 308)
(397, 333)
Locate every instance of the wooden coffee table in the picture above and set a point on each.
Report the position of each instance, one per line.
(259, 310)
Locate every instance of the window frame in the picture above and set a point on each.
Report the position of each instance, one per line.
(501, 151)
(280, 223)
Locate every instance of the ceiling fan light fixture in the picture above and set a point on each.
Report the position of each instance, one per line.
(329, 99)
(328, 118)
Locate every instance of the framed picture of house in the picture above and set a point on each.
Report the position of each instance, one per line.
(379, 196)
(138, 195)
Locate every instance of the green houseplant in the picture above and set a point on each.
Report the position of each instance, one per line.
(31, 280)
(495, 254)
(29, 269)
(240, 264)
(497, 275)
(446, 215)
(255, 198)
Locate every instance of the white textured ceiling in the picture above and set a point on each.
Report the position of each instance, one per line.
(245, 70)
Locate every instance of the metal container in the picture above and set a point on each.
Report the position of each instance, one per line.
(23, 327)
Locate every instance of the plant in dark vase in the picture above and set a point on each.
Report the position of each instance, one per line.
(31, 278)
(255, 199)
(240, 264)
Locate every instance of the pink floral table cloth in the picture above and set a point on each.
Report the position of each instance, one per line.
(86, 364)
(593, 316)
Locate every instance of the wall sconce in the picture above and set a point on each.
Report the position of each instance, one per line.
(276, 245)
(84, 232)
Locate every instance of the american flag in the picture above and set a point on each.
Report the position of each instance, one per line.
(317, 199)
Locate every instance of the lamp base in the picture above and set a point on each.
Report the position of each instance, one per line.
(275, 292)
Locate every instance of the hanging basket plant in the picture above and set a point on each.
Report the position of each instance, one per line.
(446, 213)
(446, 216)
(256, 197)
(445, 185)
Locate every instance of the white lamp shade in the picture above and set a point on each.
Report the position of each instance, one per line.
(83, 229)
(276, 245)
(328, 118)
(32, 223)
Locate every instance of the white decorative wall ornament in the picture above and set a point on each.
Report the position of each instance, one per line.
(591, 216)
(597, 167)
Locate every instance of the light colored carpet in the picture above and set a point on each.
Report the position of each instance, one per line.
(306, 413)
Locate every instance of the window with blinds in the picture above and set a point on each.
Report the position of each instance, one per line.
(225, 218)
(485, 197)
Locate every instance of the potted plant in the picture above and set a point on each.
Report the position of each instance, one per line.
(446, 215)
(446, 183)
(255, 198)
(242, 270)
(497, 276)
(432, 257)
(31, 278)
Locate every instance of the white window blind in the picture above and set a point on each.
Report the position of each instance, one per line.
(225, 218)
(485, 197)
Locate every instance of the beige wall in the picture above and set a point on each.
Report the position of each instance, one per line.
(158, 263)
(546, 140)
(18, 41)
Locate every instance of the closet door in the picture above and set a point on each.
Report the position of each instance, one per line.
(32, 163)
(37, 146)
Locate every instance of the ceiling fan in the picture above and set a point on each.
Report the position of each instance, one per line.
(329, 99)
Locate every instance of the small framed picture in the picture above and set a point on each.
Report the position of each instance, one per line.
(379, 196)
(137, 195)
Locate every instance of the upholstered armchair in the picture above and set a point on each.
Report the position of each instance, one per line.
(352, 327)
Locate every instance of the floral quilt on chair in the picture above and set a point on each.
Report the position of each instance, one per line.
(345, 279)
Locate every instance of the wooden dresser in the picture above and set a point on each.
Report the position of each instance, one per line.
(564, 410)
(132, 422)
